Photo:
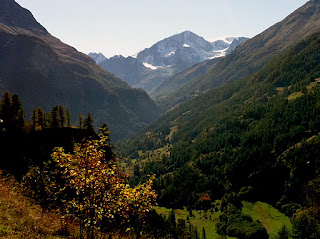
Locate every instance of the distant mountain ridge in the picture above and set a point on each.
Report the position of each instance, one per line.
(172, 55)
(45, 72)
(97, 57)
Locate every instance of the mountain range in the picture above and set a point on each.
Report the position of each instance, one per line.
(170, 56)
(45, 72)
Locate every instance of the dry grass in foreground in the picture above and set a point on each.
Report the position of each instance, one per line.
(20, 218)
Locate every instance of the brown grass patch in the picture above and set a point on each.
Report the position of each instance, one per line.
(20, 218)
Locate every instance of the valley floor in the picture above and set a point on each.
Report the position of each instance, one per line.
(270, 217)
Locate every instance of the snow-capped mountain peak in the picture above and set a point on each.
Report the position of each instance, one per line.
(148, 68)
(184, 50)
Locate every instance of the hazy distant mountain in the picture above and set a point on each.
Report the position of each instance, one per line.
(97, 57)
(45, 72)
(150, 67)
(127, 68)
(173, 83)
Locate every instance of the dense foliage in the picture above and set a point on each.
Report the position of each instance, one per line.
(235, 224)
(101, 200)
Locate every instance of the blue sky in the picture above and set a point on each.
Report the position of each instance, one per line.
(128, 26)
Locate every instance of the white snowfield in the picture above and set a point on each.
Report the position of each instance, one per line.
(150, 66)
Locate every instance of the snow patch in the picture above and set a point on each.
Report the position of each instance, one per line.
(186, 45)
(150, 66)
(170, 53)
(219, 53)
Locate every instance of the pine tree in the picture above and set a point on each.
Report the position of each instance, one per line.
(41, 117)
(88, 123)
(21, 119)
(34, 119)
(16, 106)
(80, 121)
(47, 120)
(54, 117)
(62, 118)
(172, 218)
(18, 114)
(68, 118)
(108, 148)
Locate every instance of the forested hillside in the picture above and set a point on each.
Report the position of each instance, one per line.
(256, 138)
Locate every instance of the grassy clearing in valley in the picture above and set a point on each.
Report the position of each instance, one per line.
(199, 219)
(270, 217)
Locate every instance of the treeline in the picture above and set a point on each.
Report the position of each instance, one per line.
(30, 142)
(13, 116)
(58, 117)
(257, 138)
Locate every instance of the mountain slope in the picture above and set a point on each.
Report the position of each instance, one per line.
(46, 72)
(256, 52)
(231, 139)
(177, 81)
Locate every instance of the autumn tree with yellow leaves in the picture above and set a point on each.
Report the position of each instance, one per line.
(102, 199)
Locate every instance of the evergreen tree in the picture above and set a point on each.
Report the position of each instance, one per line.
(54, 117)
(41, 117)
(172, 218)
(62, 118)
(47, 120)
(16, 105)
(80, 121)
(88, 123)
(108, 148)
(68, 118)
(21, 119)
(34, 119)
(17, 112)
